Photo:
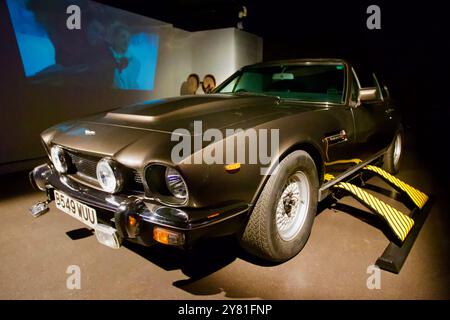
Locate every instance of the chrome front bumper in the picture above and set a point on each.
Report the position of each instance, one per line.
(119, 211)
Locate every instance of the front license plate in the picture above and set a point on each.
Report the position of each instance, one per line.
(76, 209)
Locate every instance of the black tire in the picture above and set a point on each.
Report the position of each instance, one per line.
(261, 236)
(389, 163)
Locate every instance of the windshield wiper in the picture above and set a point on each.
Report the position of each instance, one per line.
(249, 93)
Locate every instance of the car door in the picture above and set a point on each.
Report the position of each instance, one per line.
(374, 128)
(339, 136)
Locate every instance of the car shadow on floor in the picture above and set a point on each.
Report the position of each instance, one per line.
(204, 259)
(214, 254)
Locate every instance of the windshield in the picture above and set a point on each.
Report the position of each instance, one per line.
(312, 82)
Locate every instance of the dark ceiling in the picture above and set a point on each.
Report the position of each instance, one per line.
(409, 34)
(286, 17)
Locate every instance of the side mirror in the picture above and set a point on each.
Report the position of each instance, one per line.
(367, 94)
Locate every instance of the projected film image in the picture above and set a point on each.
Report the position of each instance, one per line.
(112, 48)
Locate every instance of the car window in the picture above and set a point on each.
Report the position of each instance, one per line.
(230, 86)
(252, 82)
(315, 82)
(365, 78)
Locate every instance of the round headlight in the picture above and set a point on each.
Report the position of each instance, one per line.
(175, 183)
(108, 176)
(59, 159)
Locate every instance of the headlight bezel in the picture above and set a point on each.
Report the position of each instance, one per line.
(113, 168)
(171, 185)
(56, 154)
(156, 184)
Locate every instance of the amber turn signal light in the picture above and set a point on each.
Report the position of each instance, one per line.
(132, 221)
(132, 226)
(168, 237)
(213, 215)
(233, 167)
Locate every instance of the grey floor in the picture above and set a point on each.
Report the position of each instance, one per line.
(35, 255)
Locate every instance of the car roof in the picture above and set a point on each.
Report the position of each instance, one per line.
(298, 61)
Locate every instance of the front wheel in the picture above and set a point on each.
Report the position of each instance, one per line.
(281, 221)
(393, 156)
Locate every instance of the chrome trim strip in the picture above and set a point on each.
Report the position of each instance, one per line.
(194, 227)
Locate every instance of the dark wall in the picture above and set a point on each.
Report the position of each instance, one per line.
(28, 109)
(410, 54)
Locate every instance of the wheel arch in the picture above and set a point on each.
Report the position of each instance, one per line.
(306, 146)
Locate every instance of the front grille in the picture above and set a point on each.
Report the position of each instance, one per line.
(85, 165)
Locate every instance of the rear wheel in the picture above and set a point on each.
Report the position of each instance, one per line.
(281, 221)
(393, 156)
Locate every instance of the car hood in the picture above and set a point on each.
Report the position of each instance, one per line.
(147, 124)
(167, 115)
